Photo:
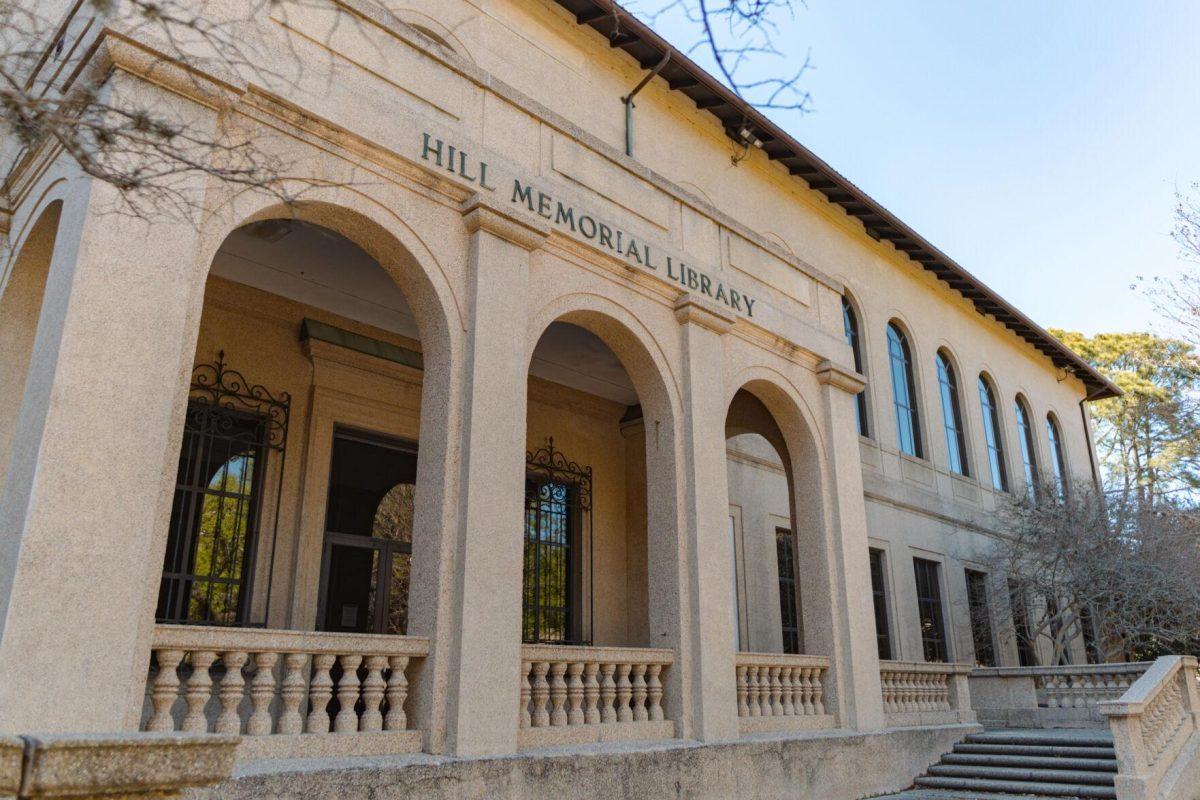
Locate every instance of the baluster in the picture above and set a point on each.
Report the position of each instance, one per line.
(346, 720)
(397, 692)
(591, 694)
(806, 690)
(754, 691)
(320, 690)
(198, 691)
(230, 692)
(541, 694)
(291, 693)
(624, 692)
(558, 694)
(575, 693)
(262, 689)
(372, 695)
(640, 714)
(526, 695)
(776, 693)
(788, 690)
(654, 691)
(818, 690)
(743, 691)
(608, 693)
(164, 690)
(888, 680)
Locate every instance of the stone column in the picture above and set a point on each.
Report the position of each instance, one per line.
(483, 691)
(708, 645)
(848, 632)
(83, 515)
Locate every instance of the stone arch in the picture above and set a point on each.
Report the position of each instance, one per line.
(21, 303)
(767, 403)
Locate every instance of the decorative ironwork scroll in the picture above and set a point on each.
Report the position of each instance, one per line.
(218, 385)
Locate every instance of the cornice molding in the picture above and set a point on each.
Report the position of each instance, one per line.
(481, 213)
(692, 309)
(831, 374)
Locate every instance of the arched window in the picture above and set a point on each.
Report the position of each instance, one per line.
(1028, 453)
(904, 393)
(1056, 456)
(991, 434)
(956, 440)
(850, 323)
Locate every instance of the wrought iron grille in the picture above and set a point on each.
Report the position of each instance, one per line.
(789, 619)
(212, 545)
(558, 549)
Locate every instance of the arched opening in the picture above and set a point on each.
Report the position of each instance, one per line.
(300, 485)
(599, 492)
(20, 310)
(773, 557)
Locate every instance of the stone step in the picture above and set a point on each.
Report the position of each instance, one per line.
(1037, 762)
(1072, 776)
(974, 786)
(1044, 738)
(1036, 750)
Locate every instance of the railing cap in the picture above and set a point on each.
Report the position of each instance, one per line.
(268, 640)
(780, 660)
(587, 653)
(1123, 668)
(926, 667)
(1145, 688)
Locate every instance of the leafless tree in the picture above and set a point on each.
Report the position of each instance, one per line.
(739, 36)
(1178, 298)
(55, 92)
(1131, 573)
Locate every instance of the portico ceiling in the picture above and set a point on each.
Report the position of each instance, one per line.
(626, 32)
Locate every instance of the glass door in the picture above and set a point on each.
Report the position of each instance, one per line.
(368, 535)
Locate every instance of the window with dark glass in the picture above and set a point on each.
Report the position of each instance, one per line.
(1026, 652)
(850, 323)
(785, 555)
(883, 633)
(368, 534)
(929, 610)
(230, 427)
(904, 393)
(1087, 625)
(956, 439)
(981, 618)
(1028, 451)
(1056, 456)
(991, 434)
(557, 532)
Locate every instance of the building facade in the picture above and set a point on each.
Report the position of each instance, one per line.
(521, 427)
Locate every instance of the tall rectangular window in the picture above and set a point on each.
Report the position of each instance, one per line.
(883, 633)
(1026, 653)
(550, 585)
(785, 554)
(929, 610)
(981, 618)
(1088, 626)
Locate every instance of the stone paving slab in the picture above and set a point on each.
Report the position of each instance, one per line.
(942, 794)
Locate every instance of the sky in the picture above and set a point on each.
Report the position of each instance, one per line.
(1039, 144)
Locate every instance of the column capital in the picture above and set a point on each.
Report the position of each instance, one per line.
(483, 213)
(831, 374)
(692, 309)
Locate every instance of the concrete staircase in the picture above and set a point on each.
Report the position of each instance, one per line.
(1032, 763)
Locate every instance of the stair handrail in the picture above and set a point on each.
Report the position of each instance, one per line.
(1154, 724)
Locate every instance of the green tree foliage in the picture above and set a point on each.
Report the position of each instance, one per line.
(1146, 440)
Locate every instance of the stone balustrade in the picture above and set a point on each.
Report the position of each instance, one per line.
(781, 692)
(1156, 731)
(1084, 685)
(919, 693)
(289, 693)
(570, 695)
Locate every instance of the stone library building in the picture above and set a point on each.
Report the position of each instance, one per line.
(571, 430)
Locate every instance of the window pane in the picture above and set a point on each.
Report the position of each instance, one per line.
(785, 555)
(548, 562)
(981, 619)
(1028, 454)
(883, 634)
(904, 393)
(929, 610)
(952, 416)
(1056, 457)
(850, 324)
(991, 434)
(1025, 649)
